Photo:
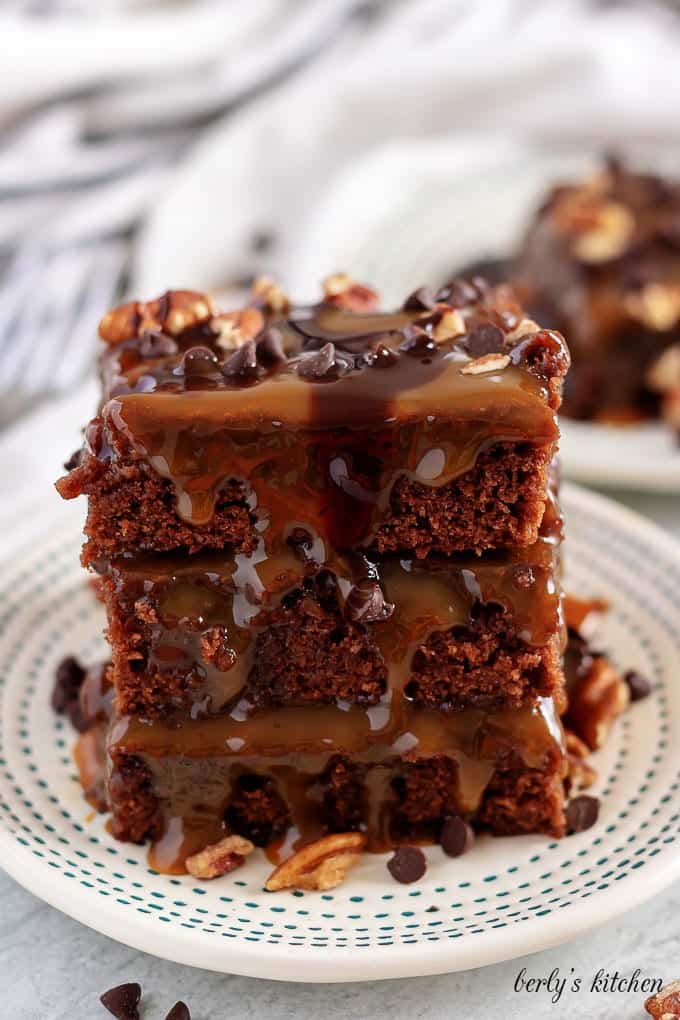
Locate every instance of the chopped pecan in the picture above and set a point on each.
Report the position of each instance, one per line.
(321, 865)
(233, 329)
(663, 375)
(656, 306)
(580, 774)
(487, 363)
(451, 324)
(219, 858)
(344, 292)
(665, 1005)
(172, 313)
(596, 701)
(272, 295)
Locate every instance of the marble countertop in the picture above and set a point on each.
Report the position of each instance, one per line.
(52, 968)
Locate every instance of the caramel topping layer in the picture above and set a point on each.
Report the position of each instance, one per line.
(402, 602)
(323, 408)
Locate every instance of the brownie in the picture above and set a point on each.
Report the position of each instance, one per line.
(396, 781)
(601, 262)
(328, 543)
(449, 632)
(430, 429)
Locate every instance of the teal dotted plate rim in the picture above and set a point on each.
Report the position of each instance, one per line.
(506, 898)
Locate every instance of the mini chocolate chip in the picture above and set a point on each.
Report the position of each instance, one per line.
(582, 812)
(384, 357)
(270, 347)
(523, 576)
(485, 338)
(122, 1001)
(432, 910)
(420, 300)
(458, 293)
(154, 344)
(74, 460)
(242, 363)
(456, 837)
(407, 865)
(366, 603)
(319, 364)
(68, 680)
(638, 685)
(196, 361)
(180, 1011)
(417, 341)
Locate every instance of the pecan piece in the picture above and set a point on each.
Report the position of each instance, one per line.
(665, 1005)
(580, 774)
(272, 295)
(172, 313)
(219, 858)
(487, 363)
(597, 700)
(320, 865)
(233, 329)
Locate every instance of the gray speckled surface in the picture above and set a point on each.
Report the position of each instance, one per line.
(52, 968)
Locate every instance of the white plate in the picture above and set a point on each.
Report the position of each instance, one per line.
(507, 897)
(409, 213)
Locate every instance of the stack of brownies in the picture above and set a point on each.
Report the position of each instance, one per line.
(328, 543)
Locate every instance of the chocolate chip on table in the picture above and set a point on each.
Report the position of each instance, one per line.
(68, 680)
(270, 347)
(366, 603)
(407, 865)
(154, 344)
(638, 685)
(421, 300)
(456, 837)
(122, 1001)
(319, 364)
(484, 338)
(180, 1011)
(582, 813)
(242, 363)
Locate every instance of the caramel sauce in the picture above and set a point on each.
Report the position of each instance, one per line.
(196, 765)
(239, 594)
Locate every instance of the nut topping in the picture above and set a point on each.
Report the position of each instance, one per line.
(598, 699)
(172, 313)
(665, 1005)
(580, 773)
(271, 294)
(219, 858)
(233, 329)
(451, 324)
(321, 865)
(487, 363)
(337, 284)
(656, 306)
(609, 236)
(664, 374)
